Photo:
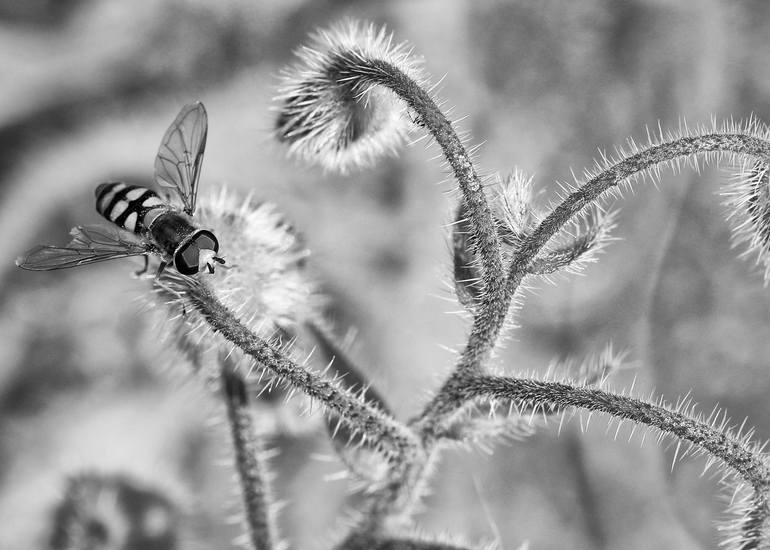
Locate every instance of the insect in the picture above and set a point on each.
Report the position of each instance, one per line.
(144, 223)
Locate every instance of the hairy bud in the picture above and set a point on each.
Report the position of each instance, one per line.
(263, 282)
(333, 112)
(748, 197)
(516, 217)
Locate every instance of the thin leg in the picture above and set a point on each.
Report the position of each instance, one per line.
(142, 271)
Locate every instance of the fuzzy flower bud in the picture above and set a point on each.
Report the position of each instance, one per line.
(512, 208)
(748, 197)
(333, 111)
(516, 217)
(263, 283)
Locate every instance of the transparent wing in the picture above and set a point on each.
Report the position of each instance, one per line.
(90, 244)
(178, 164)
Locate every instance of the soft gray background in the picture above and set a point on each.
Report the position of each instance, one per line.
(86, 90)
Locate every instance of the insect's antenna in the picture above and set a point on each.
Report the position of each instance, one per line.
(210, 266)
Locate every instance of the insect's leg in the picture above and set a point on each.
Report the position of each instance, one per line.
(142, 271)
(221, 261)
(161, 268)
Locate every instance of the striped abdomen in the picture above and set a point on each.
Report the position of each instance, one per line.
(128, 206)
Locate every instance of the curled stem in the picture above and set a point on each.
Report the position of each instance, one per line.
(484, 231)
(249, 462)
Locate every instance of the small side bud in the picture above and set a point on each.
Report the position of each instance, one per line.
(466, 266)
(748, 198)
(333, 112)
(513, 207)
(513, 213)
(516, 217)
(580, 247)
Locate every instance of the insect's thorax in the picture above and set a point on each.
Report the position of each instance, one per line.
(191, 248)
(170, 229)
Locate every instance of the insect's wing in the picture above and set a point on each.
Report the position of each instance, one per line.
(90, 244)
(178, 164)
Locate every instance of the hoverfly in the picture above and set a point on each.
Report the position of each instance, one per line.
(146, 224)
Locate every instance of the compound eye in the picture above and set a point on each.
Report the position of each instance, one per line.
(186, 259)
(206, 240)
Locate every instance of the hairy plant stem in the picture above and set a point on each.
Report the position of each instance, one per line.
(494, 301)
(368, 542)
(249, 462)
(396, 439)
(734, 452)
(446, 403)
(443, 405)
(343, 439)
(493, 307)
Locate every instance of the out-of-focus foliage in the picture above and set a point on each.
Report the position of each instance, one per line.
(87, 88)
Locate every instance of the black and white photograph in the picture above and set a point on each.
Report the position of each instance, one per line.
(404, 275)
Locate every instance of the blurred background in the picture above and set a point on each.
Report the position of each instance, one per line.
(87, 89)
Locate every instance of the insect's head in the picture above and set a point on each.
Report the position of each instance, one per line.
(198, 253)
